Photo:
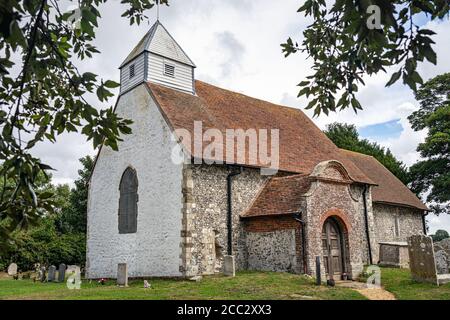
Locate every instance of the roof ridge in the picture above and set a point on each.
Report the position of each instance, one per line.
(152, 32)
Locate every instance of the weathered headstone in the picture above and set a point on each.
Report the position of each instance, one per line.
(443, 245)
(12, 269)
(37, 267)
(442, 262)
(122, 275)
(61, 272)
(72, 269)
(41, 275)
(422, 260)
(229, 267)
(74, 278)
(51, 274)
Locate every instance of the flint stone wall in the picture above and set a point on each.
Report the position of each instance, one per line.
(274, 238)
(272, 251)
(208, 216)
(410, 223)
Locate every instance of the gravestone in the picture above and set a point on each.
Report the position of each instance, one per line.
(442, 262)
(61, 272)
(37, 267)
(41, 275)
(443, 245)
(73, 278)
(12, 269)
(229, 267)
(72, 269)
(51, 274)
(122, 275)
(422, 259)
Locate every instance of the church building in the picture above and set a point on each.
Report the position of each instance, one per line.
(165, 208)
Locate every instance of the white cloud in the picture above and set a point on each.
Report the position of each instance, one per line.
(438, 222)
(405, 146)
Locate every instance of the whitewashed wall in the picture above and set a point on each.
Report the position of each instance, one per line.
(183, 79)
(155, 249)
(139, 72)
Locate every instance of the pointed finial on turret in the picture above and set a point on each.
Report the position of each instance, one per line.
(157, 10)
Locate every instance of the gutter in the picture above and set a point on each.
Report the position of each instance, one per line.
(366, 218)
(298, 218)
(229, 211)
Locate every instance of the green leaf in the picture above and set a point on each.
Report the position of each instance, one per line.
(430, 55)
(394, 78)
(111, 84)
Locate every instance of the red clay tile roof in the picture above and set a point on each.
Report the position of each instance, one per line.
(389, 188)
(279, 196)
(302, 144)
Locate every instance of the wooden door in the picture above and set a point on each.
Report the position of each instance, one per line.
(332, 249)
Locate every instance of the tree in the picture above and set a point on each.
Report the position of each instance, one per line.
(74, 215)
(44, 193)
(346, 136)
(48, 96)
(440, 235)
(354, 38)
(431, 176)
(44, 244)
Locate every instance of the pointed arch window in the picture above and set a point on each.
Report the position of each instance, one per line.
(128, 202)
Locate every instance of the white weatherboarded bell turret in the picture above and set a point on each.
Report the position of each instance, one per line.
(160, 59)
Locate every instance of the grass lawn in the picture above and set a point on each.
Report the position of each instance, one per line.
(245, 286)
(400, 283)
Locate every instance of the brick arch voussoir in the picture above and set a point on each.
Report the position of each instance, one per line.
(340, 215)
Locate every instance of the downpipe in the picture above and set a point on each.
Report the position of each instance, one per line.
(230, 177)
(366, 218)
(298, 218)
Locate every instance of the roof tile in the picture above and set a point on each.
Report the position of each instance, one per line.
(302, 144)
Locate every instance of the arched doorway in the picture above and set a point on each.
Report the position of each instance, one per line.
(333, 248)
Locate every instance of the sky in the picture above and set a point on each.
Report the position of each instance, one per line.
(236, 45)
